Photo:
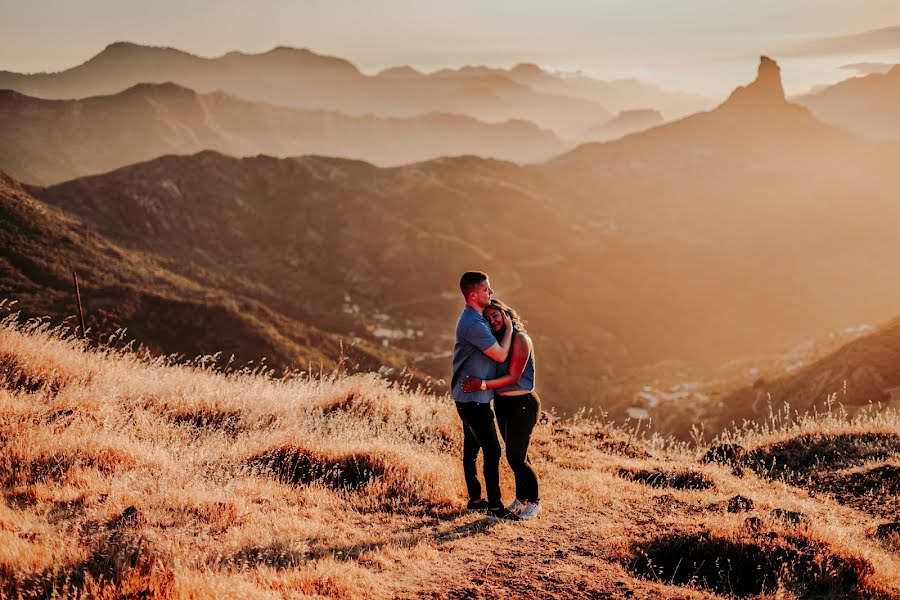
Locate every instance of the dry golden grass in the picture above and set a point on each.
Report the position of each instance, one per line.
(126, 476)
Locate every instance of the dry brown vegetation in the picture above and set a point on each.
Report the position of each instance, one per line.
(129, 476)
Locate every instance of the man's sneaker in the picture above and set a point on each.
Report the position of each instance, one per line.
(515, 506)
(531, 510)
(482, 506)
(503, 514)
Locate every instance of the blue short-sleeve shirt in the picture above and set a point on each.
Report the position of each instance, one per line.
(473, 337)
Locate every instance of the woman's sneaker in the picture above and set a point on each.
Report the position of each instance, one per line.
(482, 506)
(531, 510)
(503, 514)
(515, 506)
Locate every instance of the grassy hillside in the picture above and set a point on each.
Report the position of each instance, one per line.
(130, 476)
(191, 312)
(860, 372)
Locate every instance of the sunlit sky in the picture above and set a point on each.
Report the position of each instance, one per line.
(705, 46)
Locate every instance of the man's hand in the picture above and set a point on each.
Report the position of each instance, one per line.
(506, 320)
(471, 384)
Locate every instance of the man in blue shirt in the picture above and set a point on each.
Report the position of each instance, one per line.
(476, 354)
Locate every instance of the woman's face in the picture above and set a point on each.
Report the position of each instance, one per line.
(494, 317)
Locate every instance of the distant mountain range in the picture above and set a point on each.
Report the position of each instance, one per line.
(755, 163)
(300, 78)
(618, 95)
(727, 232)
(49, 141)
(868, 68)
(866, 105)
(627, 121)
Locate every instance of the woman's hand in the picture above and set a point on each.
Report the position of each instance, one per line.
(471, 384)
(506, 320)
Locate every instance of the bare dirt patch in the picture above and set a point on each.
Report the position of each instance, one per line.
(122, 564)
(739, 504)
(795, 459)
(719, 565)
(17, 376)
(228, 422)
(679, 480)
(889, 533)
(55, 467)
(725, 454)
(298, 466)
(874, 489)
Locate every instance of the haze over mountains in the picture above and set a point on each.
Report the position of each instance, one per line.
(866, 105)
(735, 231)
(760, 182)
(867, 68)
(627, 121)
(303, 79)
(49, 141)
(617, 96)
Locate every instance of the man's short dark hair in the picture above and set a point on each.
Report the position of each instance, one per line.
(470, 281)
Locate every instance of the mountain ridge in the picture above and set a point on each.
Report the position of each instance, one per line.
(303, 79)
(48, 141)
(864, 104)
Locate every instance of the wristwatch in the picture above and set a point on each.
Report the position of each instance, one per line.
(483, 384)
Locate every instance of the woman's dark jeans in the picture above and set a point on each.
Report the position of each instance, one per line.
(480, 433)
(517, 416)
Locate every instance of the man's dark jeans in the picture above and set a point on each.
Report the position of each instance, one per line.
(479, 432)
(517, 416)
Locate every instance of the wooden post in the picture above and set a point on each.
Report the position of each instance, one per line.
(78, 297)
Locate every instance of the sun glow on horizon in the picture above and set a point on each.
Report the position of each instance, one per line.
(698, 46)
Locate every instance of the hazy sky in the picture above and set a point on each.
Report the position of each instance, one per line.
(700, 45)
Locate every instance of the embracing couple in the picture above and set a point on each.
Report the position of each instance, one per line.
(493, 359)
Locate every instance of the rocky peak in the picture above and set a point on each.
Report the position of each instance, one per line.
(765, 90)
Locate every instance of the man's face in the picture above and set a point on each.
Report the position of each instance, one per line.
(483, 293)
